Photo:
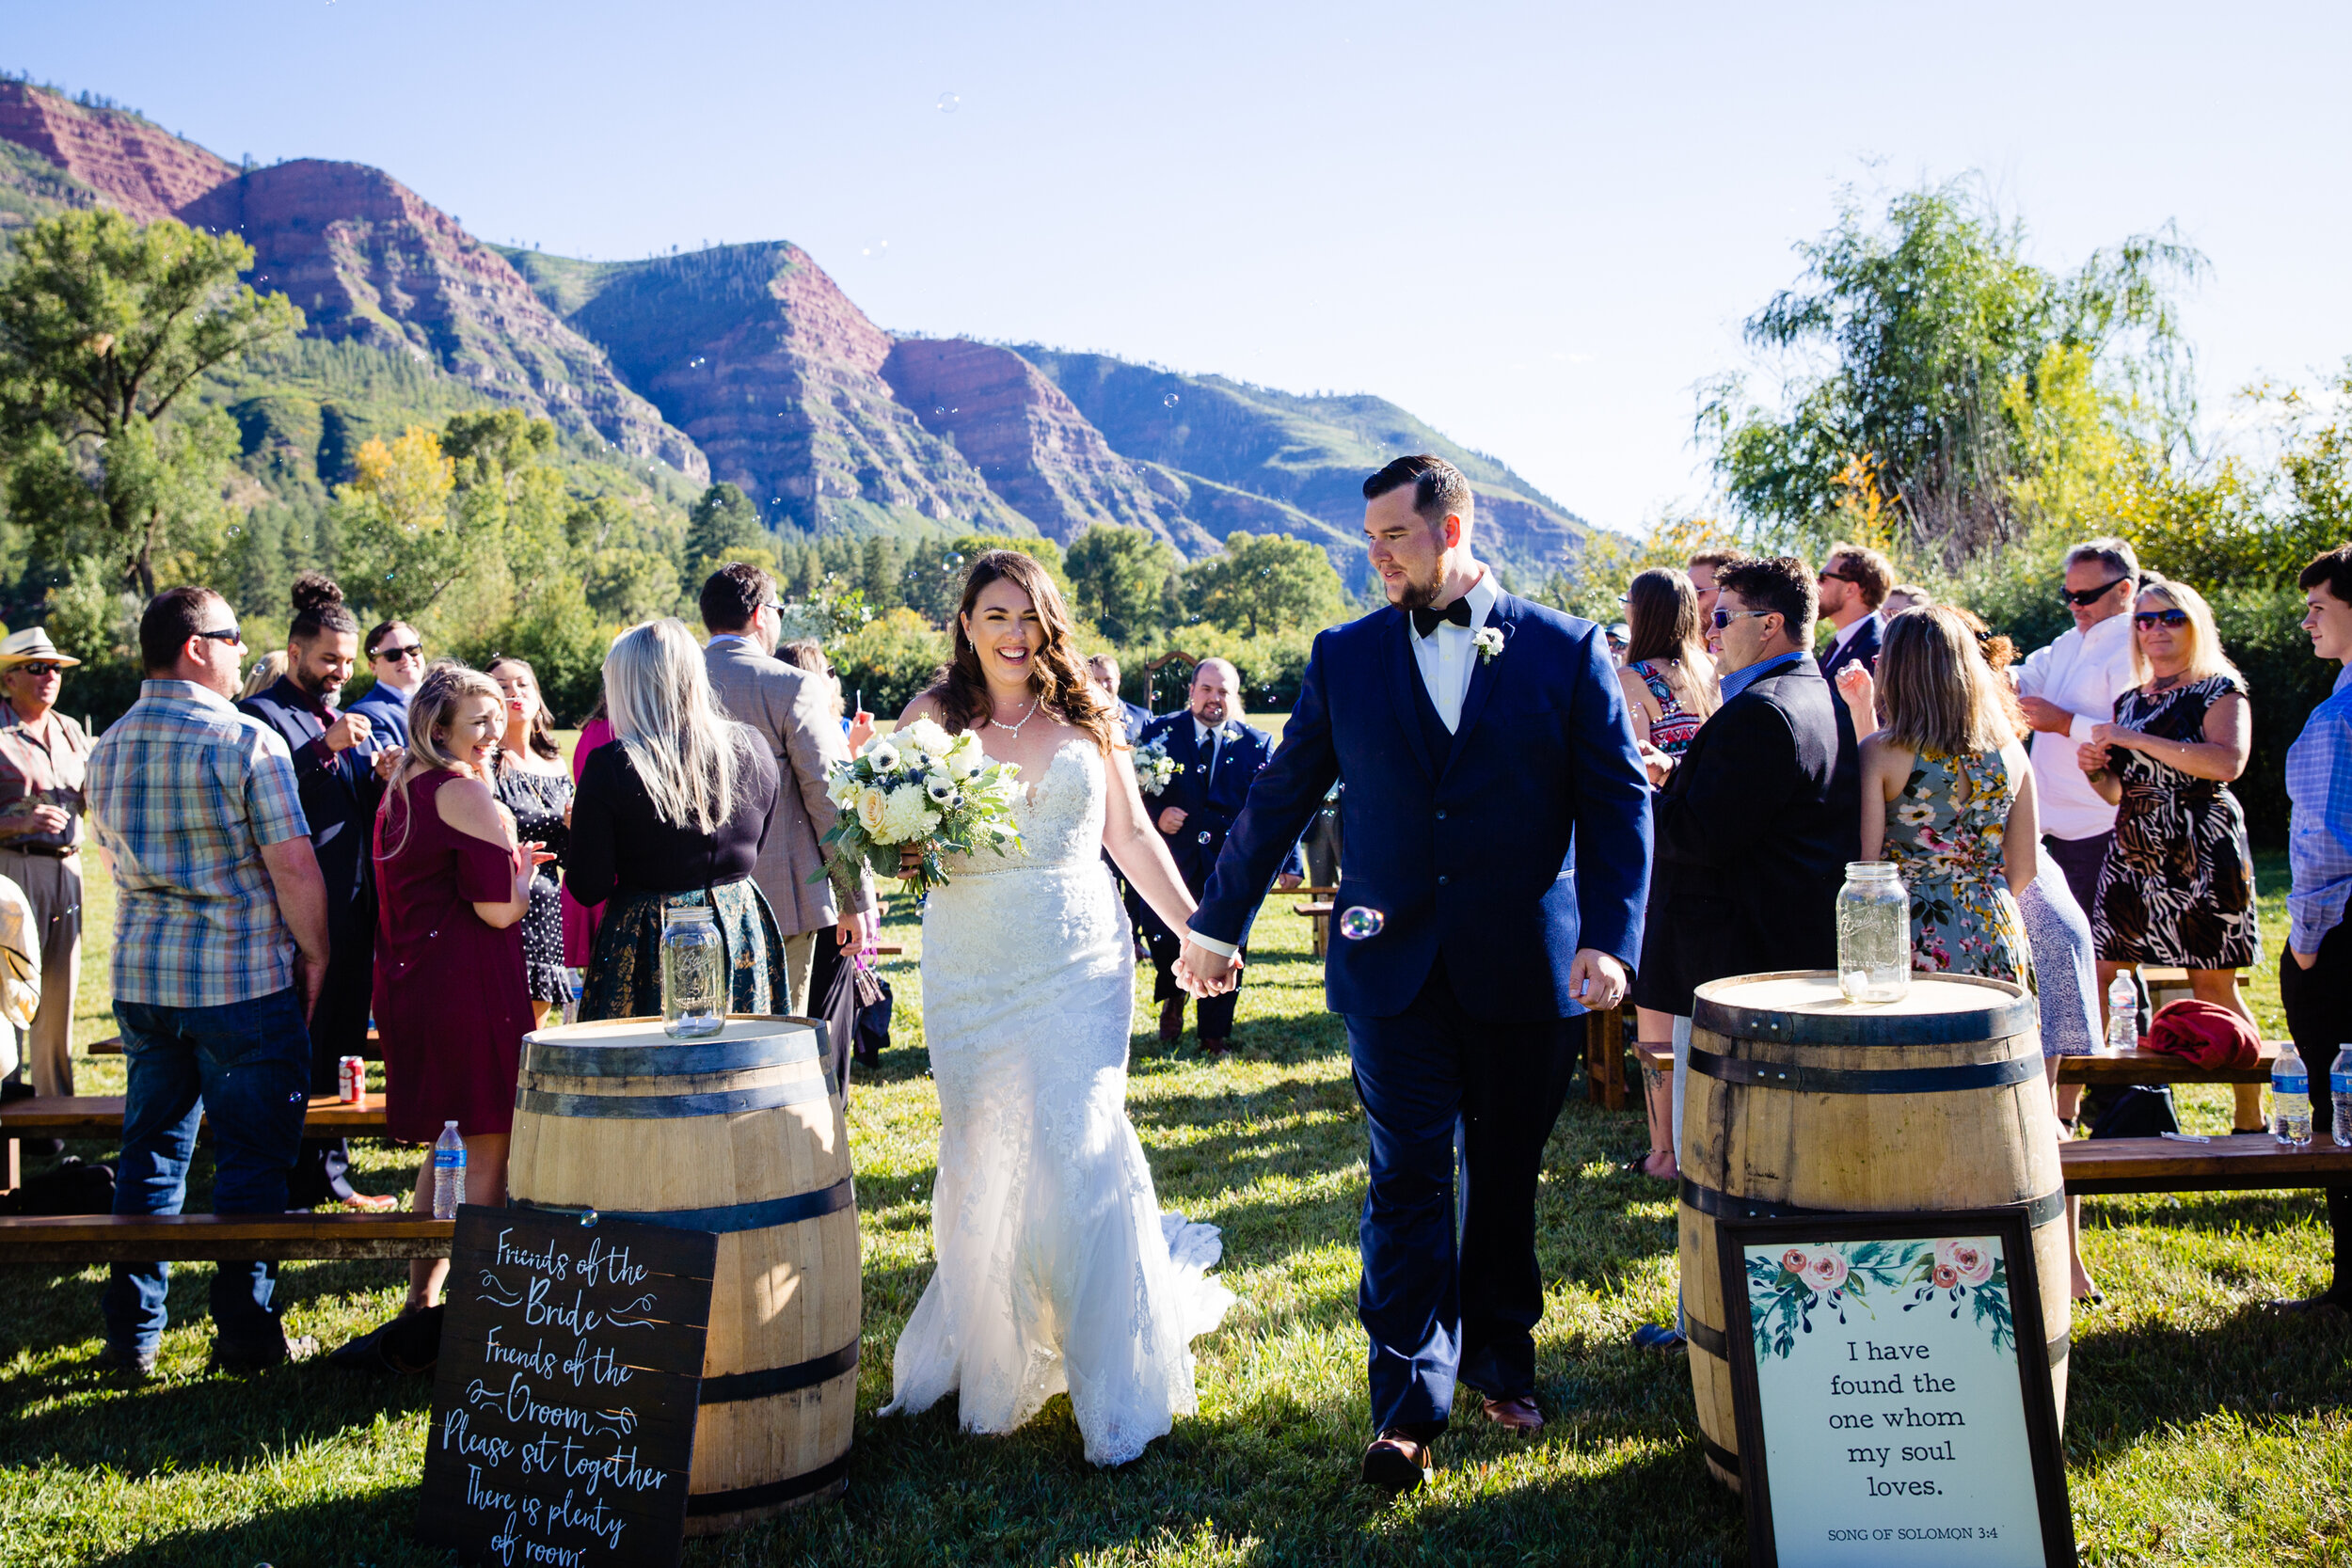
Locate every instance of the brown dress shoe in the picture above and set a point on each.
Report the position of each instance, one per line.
(1517, 1417)
(1171, 1020)
(1396, 1461)
(1214, 1047)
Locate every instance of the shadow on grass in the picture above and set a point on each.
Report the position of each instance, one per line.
(2143, 1378)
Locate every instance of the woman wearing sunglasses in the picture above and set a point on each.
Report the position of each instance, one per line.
(2179, 883)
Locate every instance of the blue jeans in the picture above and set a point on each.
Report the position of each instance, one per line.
(249, 1064)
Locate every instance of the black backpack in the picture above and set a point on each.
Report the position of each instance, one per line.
(71, 1188)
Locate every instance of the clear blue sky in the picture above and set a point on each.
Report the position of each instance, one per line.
(1537, 226)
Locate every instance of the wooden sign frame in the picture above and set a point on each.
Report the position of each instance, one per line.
(2011, 1225)
(567, 1390)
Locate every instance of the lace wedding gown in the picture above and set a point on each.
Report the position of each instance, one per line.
(1056, 1269)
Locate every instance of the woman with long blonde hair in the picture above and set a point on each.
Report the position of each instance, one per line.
(1028, 991)
(672, 815)
(1948, 797)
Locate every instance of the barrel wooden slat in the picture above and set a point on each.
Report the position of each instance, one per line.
(785, 1296)
(1786, 1121)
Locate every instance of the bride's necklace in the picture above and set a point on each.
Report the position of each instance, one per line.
(1014, 730)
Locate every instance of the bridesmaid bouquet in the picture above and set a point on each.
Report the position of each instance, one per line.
(1152, 766)
(921, 787)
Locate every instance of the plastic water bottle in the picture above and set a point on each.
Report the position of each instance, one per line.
(2122, 1014)
(2340, 1093)
(2290, 1101)
(575, 980)
(449, 1169)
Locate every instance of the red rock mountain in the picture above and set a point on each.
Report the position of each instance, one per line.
(134, 166)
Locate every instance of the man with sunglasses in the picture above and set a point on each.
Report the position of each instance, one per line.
(1852, 585)
(396, 658)
(2067, 688)
(42, 758)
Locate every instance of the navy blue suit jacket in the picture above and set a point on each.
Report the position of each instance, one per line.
(1861, 648)
(1210, 805)
(1136, 718)
(1524, 838)
(388, 711)
(340, 794)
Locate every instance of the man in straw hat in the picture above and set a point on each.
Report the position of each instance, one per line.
(43, 757)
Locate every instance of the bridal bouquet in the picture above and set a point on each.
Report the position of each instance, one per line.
(923, 786)
(1152, 766)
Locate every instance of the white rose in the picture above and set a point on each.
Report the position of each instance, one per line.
(925, 736)
(871, 805)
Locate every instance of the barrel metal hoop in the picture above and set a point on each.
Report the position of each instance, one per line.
(768, 1097)
(702, 1504)
(2059, 1346)
(1829, 1080)
(2040, 1212)
(1720, 1454)
(732, 1217)
(728, 1387)
(671, 1061)
(1707, 1337)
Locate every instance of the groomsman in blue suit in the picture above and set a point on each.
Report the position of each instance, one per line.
(1217, 756)
(1496, 840)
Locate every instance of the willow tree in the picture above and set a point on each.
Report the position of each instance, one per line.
(106, 326)
(1915, 347)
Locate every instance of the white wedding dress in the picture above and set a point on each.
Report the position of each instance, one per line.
(1056, 1269)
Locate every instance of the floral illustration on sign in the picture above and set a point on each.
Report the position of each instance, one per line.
(1966, 1271)
(1489, 641)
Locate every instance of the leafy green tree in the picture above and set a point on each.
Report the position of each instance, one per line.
(1920, 339)
(722, 526)
(932, 582)
(1266, 583)
(1120, 574)
(105, 325)
(400, 533)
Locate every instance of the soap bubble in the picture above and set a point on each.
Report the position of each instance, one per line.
(937, 410)
(234, 530)
(1357, 923)
(1168, 401)
(949, 103)
(1206, 835)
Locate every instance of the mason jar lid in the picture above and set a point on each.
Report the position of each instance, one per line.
(1870, 871)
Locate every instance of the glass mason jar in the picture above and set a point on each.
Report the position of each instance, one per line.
(1873, 933)
(693, 973)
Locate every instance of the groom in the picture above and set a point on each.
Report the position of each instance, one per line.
(1497, 820)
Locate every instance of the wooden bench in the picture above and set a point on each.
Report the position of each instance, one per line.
(81, 1116)
(219, 1238)
(1320, 913)
(1604, 1057)
(2237, 1163)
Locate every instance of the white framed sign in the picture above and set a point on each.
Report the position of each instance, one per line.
(1886, 1413)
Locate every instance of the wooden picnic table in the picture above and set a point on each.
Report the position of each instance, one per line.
(2235, 1162)
(219, 1238)
(62, 1114)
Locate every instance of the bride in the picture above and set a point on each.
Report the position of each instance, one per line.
(1056, 1269)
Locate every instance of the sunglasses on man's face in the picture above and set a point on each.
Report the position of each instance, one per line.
(2146, 618)
(2087, 596)
(413, 650)
(39, 669)
(1724, 618)
(232, 637)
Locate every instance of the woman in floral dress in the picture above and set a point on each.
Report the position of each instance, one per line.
(1946, 795)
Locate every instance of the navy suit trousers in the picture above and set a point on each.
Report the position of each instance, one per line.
(1418, 1074)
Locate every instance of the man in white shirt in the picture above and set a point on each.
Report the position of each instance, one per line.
(1853, 584)
(2071, 686)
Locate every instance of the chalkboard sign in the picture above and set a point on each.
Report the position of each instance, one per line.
(563, 1405)
(1892, 1391)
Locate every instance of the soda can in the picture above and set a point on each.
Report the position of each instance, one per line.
(354, 1075)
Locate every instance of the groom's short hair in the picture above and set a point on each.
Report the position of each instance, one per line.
(1781, 582)
(1438, 487)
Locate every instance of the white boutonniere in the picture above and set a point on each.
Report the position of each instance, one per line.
(1489, 641)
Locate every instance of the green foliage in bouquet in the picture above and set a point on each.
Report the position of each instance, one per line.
(923, 788)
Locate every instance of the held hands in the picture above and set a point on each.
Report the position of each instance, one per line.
(1597, 979)
(351, 729)
(1204, 974)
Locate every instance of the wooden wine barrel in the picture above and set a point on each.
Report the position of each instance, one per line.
(1799, 1101)
(738, 1134)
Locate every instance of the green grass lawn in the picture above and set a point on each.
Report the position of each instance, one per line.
(2198, 1431)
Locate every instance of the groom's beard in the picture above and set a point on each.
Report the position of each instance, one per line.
(1416, 595)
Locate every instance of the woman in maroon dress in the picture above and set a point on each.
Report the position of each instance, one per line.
(453, 885)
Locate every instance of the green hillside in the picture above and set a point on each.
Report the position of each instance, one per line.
(32, 187)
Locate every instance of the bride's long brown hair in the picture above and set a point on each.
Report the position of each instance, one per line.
(1055, 674)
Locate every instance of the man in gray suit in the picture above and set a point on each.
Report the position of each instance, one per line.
(794, 711)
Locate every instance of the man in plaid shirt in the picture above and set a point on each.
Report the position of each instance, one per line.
(220, 946)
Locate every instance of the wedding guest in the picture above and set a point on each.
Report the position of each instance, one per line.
(454, 885)
(532, 783)
(396, 658)
(340, 794)
(1948, 797)
(1617, 633)
(1103, 670)
(1902, 597)
(2066, 689)
(806, 653)
(1853, 584)
(220, 949)
(266, 672)
(1701, 569)
(43, 760)
(1217, 754)
(580, 920)
(2315, 971)
(1758, 819)
(1669, 685)
(792, 710)
(674, 815)
(2179, 883)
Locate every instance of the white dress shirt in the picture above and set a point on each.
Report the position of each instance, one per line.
(1839, 638)
(1446, 657)
(2084, 674)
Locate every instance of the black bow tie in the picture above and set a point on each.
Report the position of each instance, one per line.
(1425, 620)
